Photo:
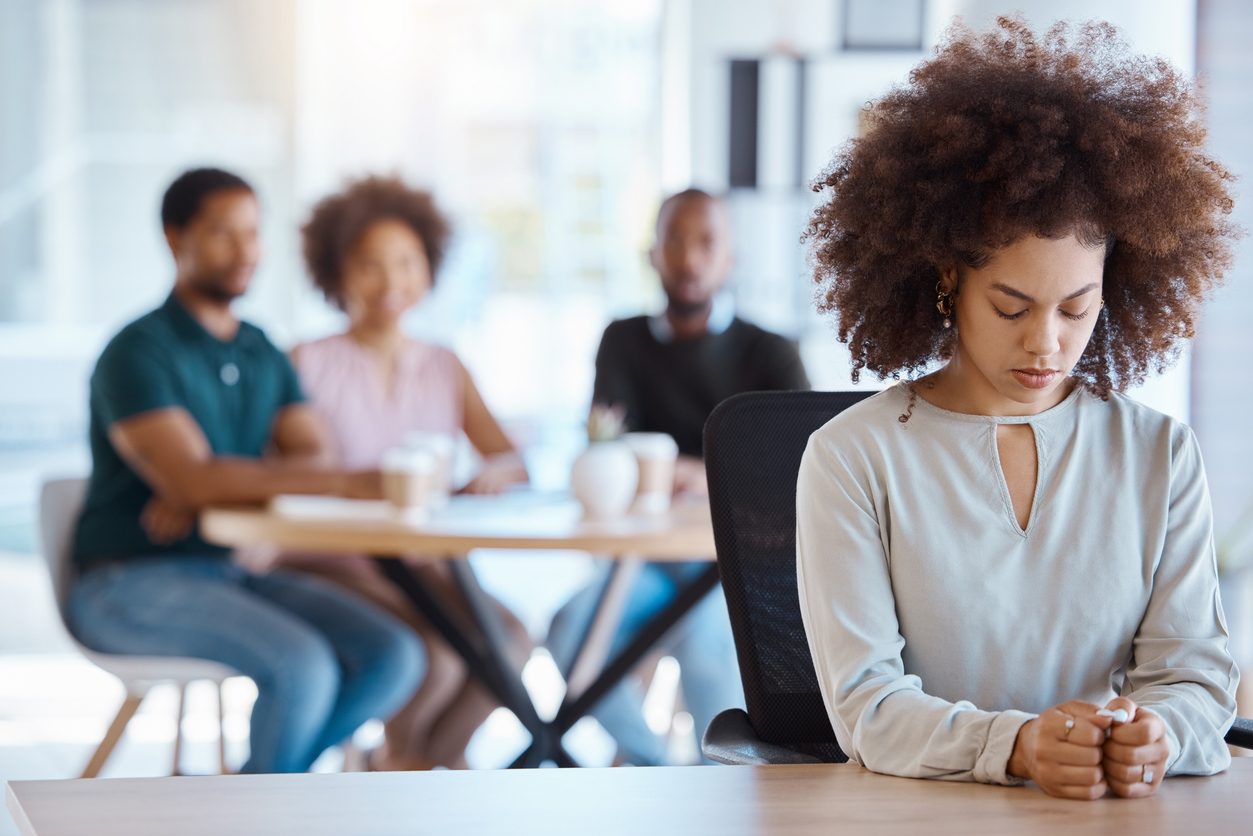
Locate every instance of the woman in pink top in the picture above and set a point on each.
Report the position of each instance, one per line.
(374, 250)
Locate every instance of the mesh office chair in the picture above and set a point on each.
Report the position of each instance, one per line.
(753, 448)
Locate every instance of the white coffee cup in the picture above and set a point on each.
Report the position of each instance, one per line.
(440, 446)
(409, 480)
(655, 453)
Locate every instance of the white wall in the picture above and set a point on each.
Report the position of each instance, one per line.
(1165, 28)
(772, 277)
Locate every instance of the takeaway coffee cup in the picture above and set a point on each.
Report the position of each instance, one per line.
(409, 480)
(655, 453)
(439, 446)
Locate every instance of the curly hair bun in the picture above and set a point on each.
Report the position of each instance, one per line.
(1005, 134)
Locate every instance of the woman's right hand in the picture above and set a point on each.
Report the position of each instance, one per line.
(1061, 751)
(363, 484)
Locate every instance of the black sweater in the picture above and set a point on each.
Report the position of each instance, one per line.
(671, 387)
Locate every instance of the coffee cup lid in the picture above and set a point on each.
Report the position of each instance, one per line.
(408, 459)
(437, 443)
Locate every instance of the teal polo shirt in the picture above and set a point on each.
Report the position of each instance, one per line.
(233, 389)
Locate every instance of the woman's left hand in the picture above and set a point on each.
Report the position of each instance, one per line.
(1136, 751)
(499, 473)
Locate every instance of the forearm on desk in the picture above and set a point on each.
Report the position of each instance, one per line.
(225, 481)
(890, 725)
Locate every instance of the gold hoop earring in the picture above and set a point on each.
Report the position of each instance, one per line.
(944, 304)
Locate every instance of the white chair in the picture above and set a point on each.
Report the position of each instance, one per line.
(60, 502)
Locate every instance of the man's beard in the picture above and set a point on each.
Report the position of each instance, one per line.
(687, 310)
(212, 290)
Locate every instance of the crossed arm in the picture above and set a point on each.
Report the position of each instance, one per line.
(170, 452)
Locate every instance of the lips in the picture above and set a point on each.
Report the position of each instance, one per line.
(1035, 378)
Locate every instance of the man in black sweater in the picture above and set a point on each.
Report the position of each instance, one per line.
(670, 370)
(667, 372)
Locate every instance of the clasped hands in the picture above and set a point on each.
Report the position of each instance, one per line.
(1079, 750)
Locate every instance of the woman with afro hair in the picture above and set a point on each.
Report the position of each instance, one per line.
(374, 250)
(1006, 567)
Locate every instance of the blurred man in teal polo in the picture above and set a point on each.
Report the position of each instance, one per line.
(191, 407)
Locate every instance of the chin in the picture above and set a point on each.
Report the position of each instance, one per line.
(225, 294)
(1020, 394)
(383, 321)
(688, 307)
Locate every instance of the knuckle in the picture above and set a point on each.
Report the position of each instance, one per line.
(1091, 775)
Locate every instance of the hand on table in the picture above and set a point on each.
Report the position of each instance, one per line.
(1062, 751)
(166, 523)
(689, 477)
(1077, 750)
(499, 473)
(1136, 752)
(363, 484)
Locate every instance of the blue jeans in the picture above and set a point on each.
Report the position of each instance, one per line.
(701, 643)
(324, 661)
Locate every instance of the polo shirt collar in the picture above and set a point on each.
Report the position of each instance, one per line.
(721, 315)
(188, 325)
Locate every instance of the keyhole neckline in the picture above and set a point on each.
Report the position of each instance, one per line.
(1053, 412)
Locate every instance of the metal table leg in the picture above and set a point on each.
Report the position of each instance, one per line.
(497, 637)
(690, 594)
(482, 644)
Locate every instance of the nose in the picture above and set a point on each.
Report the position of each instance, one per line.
(1042, 338)
(693, 261)
(247, 249)
(393, 279)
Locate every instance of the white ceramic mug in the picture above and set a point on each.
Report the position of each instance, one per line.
(440, 447)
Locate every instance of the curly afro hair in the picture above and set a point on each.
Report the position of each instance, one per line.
(1003, 135)
(338, 222)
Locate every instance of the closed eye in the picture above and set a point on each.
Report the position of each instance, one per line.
(1004, 315)
(1019, 314)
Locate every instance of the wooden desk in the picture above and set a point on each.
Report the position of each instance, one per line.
(519, 521)
(515, 521)
(726, 801)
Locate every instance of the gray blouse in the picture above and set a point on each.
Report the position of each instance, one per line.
(939, 625)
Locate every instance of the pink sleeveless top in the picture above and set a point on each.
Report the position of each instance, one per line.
(344, 382)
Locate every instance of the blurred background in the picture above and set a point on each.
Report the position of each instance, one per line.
(550, 130)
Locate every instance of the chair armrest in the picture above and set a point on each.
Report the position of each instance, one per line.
(730, 739)
(1241, 733)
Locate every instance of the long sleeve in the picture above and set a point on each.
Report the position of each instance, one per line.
(881, 716)
(1181, 668)
(614, 385)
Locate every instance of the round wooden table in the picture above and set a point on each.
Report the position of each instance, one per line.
(516, 521)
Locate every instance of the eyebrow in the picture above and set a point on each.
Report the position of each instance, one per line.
(1018, 294)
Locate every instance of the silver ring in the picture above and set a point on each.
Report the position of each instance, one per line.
(1146, 774)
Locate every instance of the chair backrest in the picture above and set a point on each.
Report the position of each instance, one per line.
(753, 448)
(60, 502)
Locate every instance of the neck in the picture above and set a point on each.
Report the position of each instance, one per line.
(214, 315)
(689, 324)
(385, 340)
